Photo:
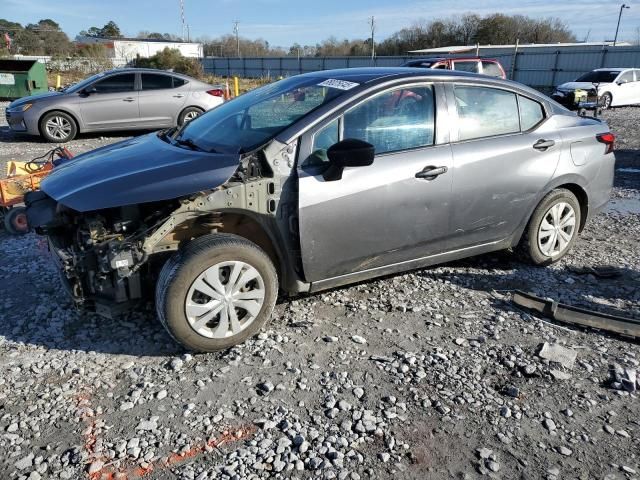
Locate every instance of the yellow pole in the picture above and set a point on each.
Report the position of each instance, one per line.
(236, 86)
(58, 82)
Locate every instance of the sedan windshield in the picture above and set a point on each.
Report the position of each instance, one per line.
(599, 76)
(83, 83)
(254, 118)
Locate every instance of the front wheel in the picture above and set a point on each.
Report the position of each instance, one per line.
(216, 293)
(605, 101)
(553, 228)
(58, 127)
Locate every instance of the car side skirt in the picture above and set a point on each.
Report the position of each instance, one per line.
(362, 275)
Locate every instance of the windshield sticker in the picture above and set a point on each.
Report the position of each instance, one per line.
(339, 84)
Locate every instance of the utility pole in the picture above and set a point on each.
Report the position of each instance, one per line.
(182, 17)
(188, 33)
(372, 25)
(236, 33)
(622, 7)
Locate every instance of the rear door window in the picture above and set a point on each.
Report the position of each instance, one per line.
(116, 83)
(492, 69)
(485, 112)
(152, 81)
(395, 120)
(466, 66)
(626, 77)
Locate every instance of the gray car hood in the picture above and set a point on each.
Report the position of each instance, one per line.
(33, 98)
(140, 170)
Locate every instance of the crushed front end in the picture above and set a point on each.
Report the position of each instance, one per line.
(100, 254)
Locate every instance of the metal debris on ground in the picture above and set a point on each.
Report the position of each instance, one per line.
(578, 316)
(600, 271)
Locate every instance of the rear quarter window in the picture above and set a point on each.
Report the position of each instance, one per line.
(178, 82)
(492, 69)
(531, 113)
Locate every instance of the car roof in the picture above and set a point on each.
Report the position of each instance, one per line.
(371, 74)
(144, 70)
(451, 57)
(613, 69)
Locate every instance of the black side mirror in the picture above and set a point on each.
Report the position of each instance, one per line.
(89, 90)
(349, 152)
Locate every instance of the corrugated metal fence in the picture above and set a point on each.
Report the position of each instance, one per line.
(542, 67)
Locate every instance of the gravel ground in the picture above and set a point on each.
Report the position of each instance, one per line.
(432, 374)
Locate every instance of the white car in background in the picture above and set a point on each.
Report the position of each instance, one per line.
(617, 86)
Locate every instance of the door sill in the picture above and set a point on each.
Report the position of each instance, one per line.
(407, 265)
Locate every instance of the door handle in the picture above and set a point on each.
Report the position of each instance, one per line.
(128, 99)
(431, 172)
(179, 95)
(543, 144)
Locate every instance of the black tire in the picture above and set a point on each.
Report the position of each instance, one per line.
(605, 101)
(188, 112)
(70, 127)
(15, 221)
(529, 247)
(182, 270)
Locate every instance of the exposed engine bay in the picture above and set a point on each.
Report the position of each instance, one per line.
(110, 258)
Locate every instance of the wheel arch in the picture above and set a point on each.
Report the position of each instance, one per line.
(183, 109)
(575, 184)
(247, 226)
(62, 110)
(583, 201)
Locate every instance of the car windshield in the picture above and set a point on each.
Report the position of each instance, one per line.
(599, 76)
(83, 83)
(254, 118)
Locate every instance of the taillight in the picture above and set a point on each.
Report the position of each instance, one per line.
(216, 92)
(608, 139)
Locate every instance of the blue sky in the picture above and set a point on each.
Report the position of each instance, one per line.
(282, 22)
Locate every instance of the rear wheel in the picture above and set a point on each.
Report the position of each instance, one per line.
(58, 127)
(189, 114)
(15, 221)
(553, 228)
(216, 293)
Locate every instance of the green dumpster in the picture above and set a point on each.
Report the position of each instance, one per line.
(20, 78)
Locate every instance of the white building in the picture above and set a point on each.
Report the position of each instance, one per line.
(130, 48)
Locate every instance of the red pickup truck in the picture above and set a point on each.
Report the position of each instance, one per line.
(485, 66)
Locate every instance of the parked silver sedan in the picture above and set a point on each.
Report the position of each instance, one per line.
(122, 99)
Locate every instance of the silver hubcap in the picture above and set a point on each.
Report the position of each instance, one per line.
(190, 116)
(58, 127)
(557, 229)
(225, 299)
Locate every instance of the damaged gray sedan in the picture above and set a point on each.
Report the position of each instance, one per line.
(317, 181)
